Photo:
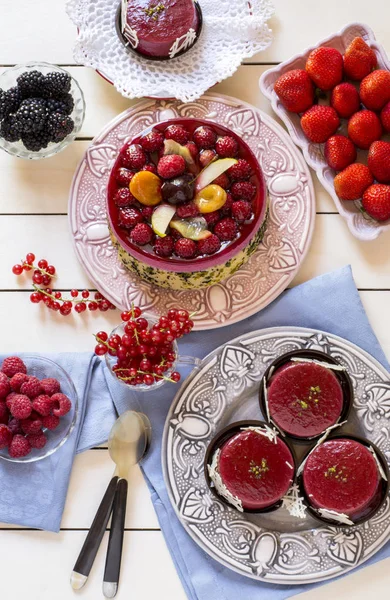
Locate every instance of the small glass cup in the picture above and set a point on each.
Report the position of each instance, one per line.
(142, 387)
(8, 80)
(43, 368)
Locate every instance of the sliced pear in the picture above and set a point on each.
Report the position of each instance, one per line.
(161, 218)
(192, 229)
(172, 147)
(212, 171)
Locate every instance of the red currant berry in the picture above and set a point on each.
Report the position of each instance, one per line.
(168, 365)
(35, 297)
(145, 336)
(132, 372)
(42, 264)
(130, 327)
(182, 315)
(143, 349)
(171, 356)
(145, 364)
(139, 379)
(56, 306)
(37, 278)
(65, 311)
(125, 316)
(92, 306)
(156, 337)
(85, 294)
(175, 376)
(127, 340)
(51, 270)
(78, 308)
(122, 352)
(27, 267)
(102, 335)
(57, 295)
(172, 313)
(74, 293)
(163, 322)
(158, 370)
(17, 269)
(115, 339)
(136, 311)
(148, 379)
(67, 305)
(30, 257)
(98, 296)
(174, 325)
(104, 306)
(189, 323)
(142, 324)
(133, 351)
(152, 351)
(112, 351)
(46, 279)
(168, 336)
(100, 349)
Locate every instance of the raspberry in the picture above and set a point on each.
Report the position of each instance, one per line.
(226, 230)
(31, 387)
(241, 170)
(192, 147)
(204, 137)
(147, 212)
(17, 380)
(151, 168)
(4, 386)
(50, 422)
(20, 406)
(31, 425)
(50, 386)
(19, 446)
(5, 436)
(210, 245)
(185, 248)
(164, 246)
(134, 157)
(141, 234)
(13, 365)
(122, 197)
(152, 141)
(61, 405)
(243, 190)
(14, 425)
(212, 218)
(42, 405)
(241, 210)
(124, 176)
(177, 133)
(4, 413)
(222, 180)
(37, 440)
(226, 208)
(9, 399)
(171, 166)
(187, 210)
(206, 157)
(226, 146)
(129, 217)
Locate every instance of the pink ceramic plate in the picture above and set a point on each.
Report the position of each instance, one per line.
(258, 282)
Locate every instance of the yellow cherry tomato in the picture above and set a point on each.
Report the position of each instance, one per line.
(211, 198)
(146, 188)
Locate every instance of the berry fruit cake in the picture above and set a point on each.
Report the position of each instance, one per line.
(160, 30)
(186, 204)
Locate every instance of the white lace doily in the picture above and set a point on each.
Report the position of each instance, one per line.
(232, 31)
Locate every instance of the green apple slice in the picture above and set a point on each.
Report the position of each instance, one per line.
(212, 171)
(161, 218)
(192, 229)
(172, 147)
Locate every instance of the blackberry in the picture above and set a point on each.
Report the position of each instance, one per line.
(32, 115)
(9, 129)
(64, 105)
(31, 84)
(9, 101)
(67, 99)
(59, 126)
(35, 141)
(57, 83)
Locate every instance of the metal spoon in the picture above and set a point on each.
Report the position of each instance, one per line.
(128, 442)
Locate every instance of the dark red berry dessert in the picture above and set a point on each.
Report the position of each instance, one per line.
(343, 476)
(160, 30)
(250, 467)
(198, 185)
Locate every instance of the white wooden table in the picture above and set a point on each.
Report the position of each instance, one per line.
(33, 217)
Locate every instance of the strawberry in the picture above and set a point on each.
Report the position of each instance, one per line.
(375, 90)
(325, 67)
(364, 127)
(385, 117)
(345, 100)
(376, 201)
(379, 161)
(295, 90)
(359, 59)
(339, 152)
(319, 123)
(352, 182)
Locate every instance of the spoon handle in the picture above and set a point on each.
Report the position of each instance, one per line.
(115, 541)
(92, 542)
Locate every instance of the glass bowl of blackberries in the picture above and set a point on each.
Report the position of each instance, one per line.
(42, 109)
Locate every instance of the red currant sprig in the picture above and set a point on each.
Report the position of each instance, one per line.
(43, 272)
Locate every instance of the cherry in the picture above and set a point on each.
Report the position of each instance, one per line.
(17, 269)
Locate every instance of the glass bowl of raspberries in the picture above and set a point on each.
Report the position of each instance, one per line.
(38, 408)
(42, 109)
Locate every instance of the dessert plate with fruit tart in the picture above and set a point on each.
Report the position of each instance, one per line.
(270, 269)
(274, 547)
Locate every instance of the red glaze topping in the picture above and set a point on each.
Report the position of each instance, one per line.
(304, 399)
(255, 469)
(341, 475)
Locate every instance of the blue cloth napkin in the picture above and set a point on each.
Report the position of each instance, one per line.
(331, 303)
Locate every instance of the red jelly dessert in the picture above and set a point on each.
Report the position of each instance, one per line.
(256, 470)
(160, 29)
(304, 398)
(342, 475)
